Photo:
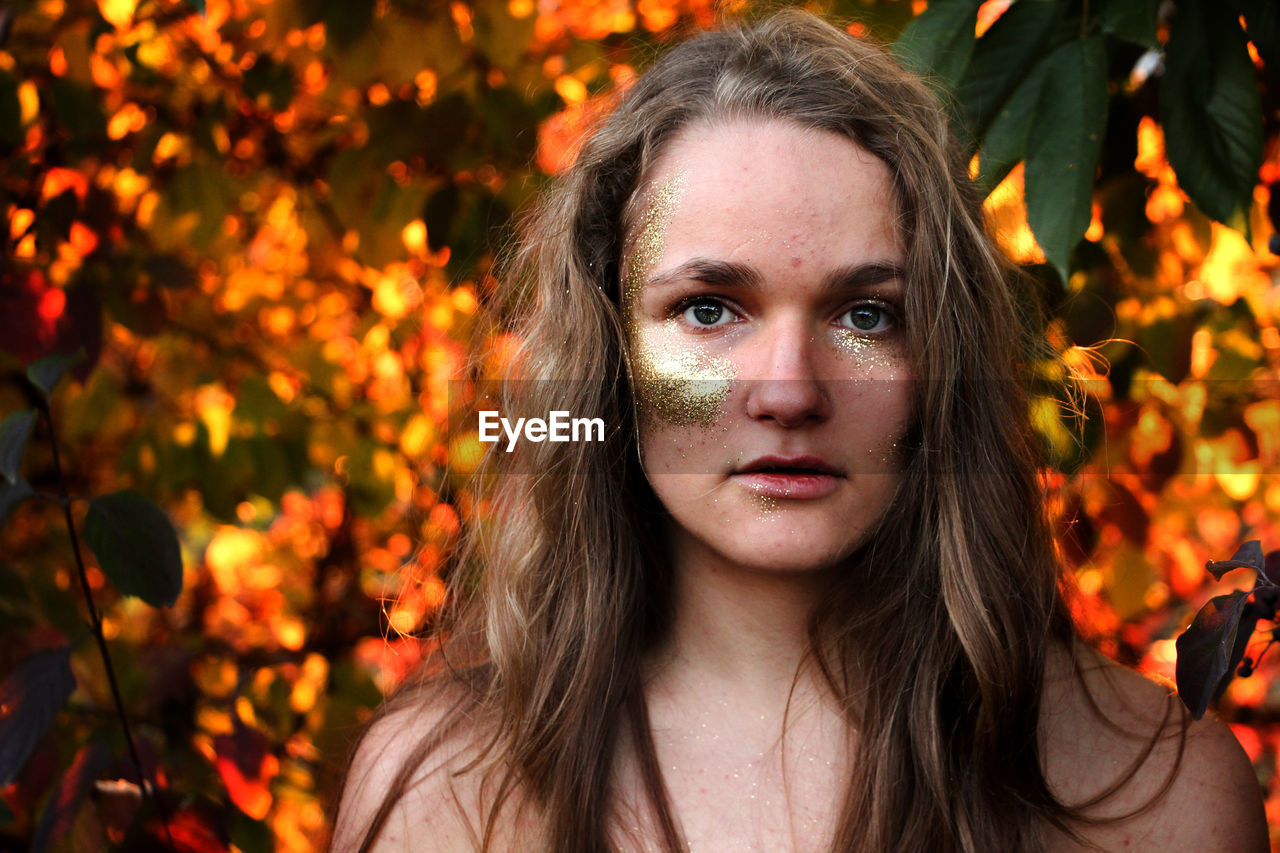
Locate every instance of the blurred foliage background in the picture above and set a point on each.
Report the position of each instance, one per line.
(269, 225)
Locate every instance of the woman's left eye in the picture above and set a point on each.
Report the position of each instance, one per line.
(707, 313)
(867, 317)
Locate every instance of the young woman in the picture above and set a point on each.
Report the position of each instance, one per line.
(803, 596)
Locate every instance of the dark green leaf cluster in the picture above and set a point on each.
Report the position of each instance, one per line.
(137, 549)
(1039, 85)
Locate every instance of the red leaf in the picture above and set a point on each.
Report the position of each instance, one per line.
(247, 766)
(65, 802)
(191, 833)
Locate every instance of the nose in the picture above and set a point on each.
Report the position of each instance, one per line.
(783, 386)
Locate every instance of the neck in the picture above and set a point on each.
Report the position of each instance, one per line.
(738, 634)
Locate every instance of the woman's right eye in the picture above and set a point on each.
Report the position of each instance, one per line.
(706, 313)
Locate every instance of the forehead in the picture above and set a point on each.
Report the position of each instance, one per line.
(763, 187)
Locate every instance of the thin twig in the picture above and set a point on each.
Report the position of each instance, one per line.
(149, 789)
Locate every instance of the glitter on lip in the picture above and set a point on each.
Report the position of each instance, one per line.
(788, 486)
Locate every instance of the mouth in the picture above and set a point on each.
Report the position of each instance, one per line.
(789, 477)
(790, 465)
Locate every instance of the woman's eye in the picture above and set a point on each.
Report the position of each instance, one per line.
(867, 317)
(706, 314)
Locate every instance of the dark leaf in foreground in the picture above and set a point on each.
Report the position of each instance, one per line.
(1211, 110)
(12, 494)
(1132, 20)
(939, 42)
(1063, 144)
(136, 546)
(46, 373)
(1271, 566)
(1005, 142)
(1205, 651)
(1002, 58)
(1248, 556)
(15, 429)
(30, 699)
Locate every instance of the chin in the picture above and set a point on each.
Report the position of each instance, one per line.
(789, 559)
(774, 546)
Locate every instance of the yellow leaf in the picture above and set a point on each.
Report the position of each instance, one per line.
(119, 13)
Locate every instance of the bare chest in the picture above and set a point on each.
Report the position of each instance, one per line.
(736, 792)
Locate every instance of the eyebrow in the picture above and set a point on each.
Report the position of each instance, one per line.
(731, 274)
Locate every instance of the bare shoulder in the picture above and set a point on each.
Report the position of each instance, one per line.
(438, 807)
(1116, 742)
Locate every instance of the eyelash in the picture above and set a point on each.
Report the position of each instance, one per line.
(682, 307)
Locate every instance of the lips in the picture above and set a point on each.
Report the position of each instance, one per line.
(789, 477)
(791, 465)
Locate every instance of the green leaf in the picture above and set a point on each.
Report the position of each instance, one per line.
(1131, 20)
(30, 699)
(48, 371)
(1005, 142)
(1248, 556)
(1211, 110)
(1063, 146)
(12, 494)
(1205, 651)
(136, 546)
(1002, 59)
(940, 41)
(14, 432)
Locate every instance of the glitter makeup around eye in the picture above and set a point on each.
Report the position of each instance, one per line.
(851, 343)
(675, 380)
(871, 352)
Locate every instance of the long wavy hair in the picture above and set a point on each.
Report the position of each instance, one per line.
(935, 644)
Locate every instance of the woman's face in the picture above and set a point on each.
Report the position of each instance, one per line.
(762, 287)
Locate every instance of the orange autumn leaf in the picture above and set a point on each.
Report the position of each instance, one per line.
(58, 180)
(190, 832)
(247, 766)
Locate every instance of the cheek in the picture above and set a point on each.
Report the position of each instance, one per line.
(675, 449)
(874, 418)
(675, 381)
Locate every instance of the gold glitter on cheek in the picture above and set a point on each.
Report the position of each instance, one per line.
(676, 381)
(874, 354)
(851, 343)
